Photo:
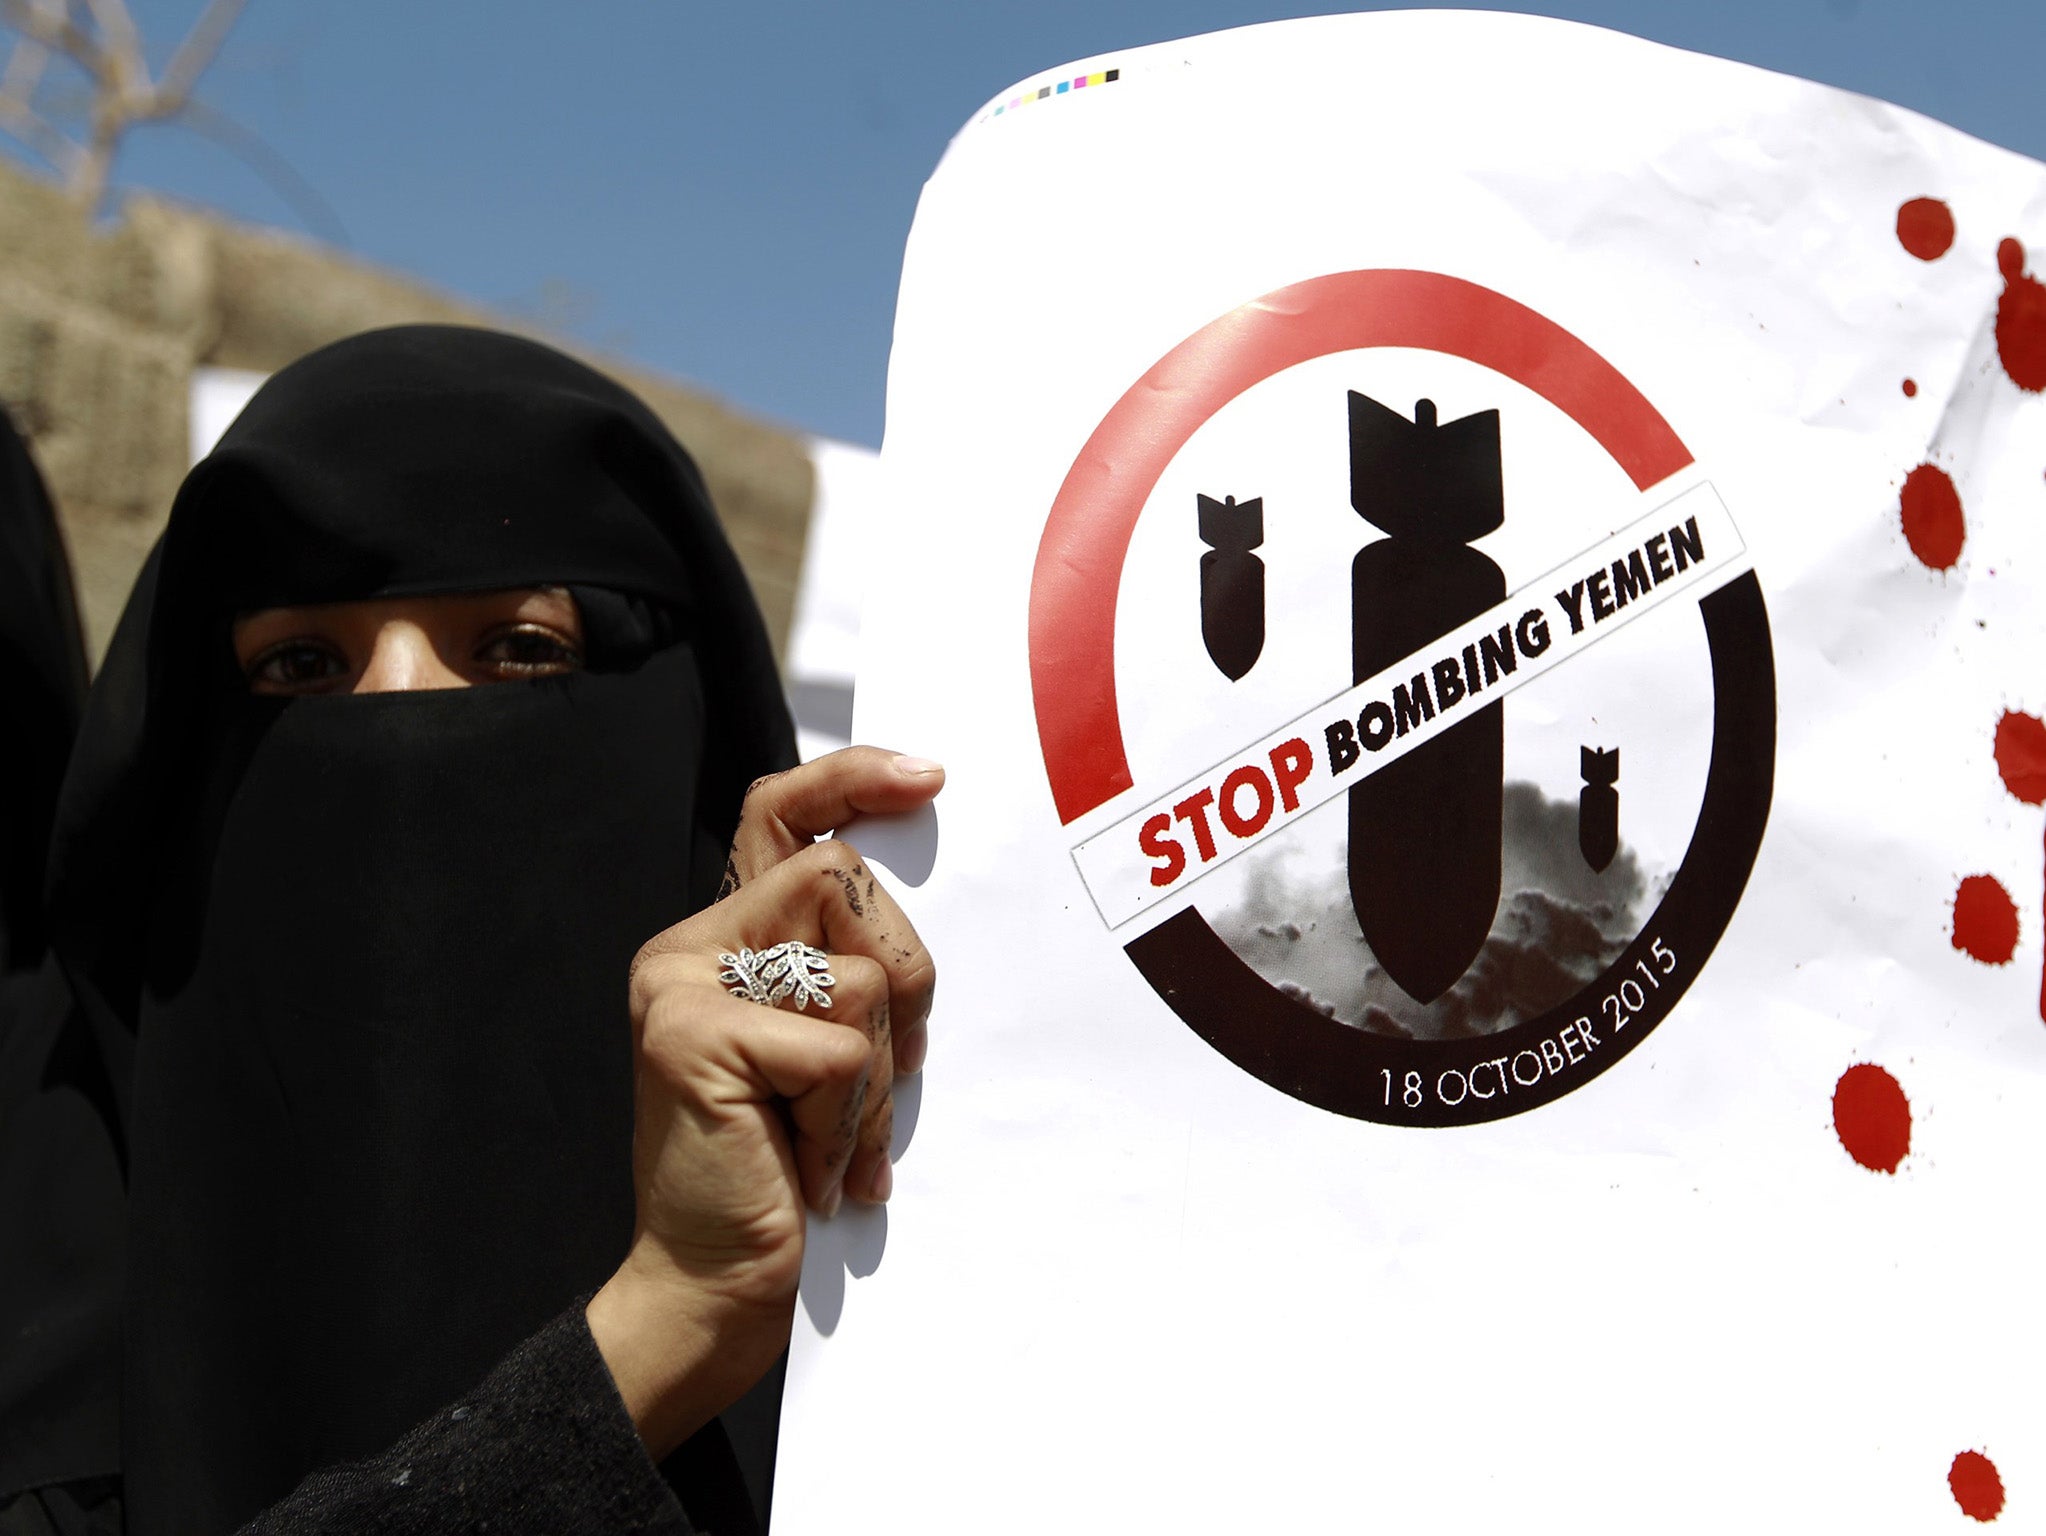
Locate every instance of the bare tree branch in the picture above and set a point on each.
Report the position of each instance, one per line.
(124, 67)
(197, 51)
(41, 135)
(317, 213)
(100, 38)
(24, 70)
(55, 30)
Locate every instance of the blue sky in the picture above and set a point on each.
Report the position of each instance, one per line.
(722, 191)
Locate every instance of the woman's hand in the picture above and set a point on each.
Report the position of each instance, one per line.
(786, 812)
(744, 1113)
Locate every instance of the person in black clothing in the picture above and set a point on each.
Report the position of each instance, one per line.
(43, 655)
(354, 941)
(60, 1180)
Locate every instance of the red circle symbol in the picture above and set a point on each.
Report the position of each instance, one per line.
(1087, 535)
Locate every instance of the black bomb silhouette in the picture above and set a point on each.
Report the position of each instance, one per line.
(1232, 583)
(1425, 829)
(1598, 806)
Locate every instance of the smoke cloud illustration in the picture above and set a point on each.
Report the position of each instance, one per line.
(1559, 924)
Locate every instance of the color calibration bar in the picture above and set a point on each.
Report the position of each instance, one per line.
(1059, 88)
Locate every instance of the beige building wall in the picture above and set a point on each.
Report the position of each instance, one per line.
(101, 328)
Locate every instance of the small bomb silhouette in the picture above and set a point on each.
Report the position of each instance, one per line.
(1598, 806)
(1232, 583)
(1425, 830)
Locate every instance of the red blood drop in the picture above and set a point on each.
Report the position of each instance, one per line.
(1910, 388)
(1985, 920)
(1872, 1116)
(1933, 525)
(2021, 755)
(2021, 320)
(1925, 226)
(1977, 1488)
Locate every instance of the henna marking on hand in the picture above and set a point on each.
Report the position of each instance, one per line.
(852, 893)
(849, 1124)
(731, 881)
(763, 781)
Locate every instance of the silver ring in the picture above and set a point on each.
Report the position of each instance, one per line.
(766, 976)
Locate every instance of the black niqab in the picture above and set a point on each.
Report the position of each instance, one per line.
(361, 961)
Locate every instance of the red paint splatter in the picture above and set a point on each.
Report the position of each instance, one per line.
(1977, 1488)
(1925, 226)
(1910, 388)
(1985, 920)
(2021, 759)
(1933, 524)
(2021, 755)
(1872, 1116)
(2021, 320)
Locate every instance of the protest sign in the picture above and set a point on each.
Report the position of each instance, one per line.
(1480, 583)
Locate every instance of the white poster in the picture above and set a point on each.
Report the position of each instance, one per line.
(1482, 587)
(824, 637)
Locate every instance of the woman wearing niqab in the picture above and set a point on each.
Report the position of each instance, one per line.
(357, 963)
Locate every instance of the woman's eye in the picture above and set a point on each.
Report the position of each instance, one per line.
(297, 666)
(529, 651)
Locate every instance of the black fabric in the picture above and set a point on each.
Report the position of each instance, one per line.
(60, 1183)
(43, 659)
(87, 1508)
(357, 964)
(541, 1446)
(62, 1225)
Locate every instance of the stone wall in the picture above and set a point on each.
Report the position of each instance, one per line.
(102, 326)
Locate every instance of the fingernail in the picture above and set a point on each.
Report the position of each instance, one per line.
(916, 1045)
(917, 767)
(884, 1180)
(833, 1200)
